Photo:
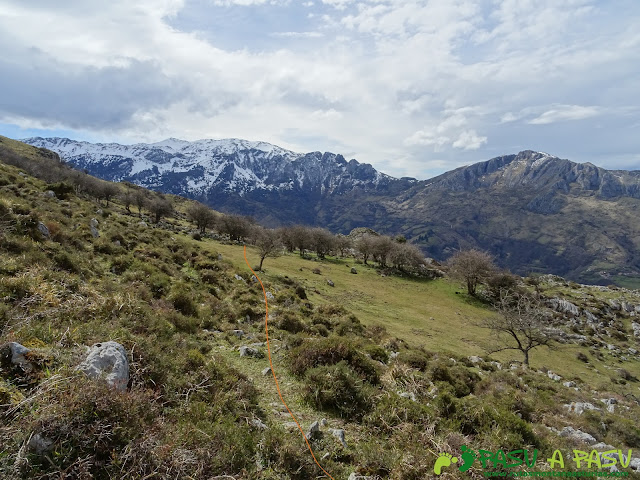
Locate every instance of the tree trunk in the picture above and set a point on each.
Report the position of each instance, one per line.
(526, 357)
(260, 267)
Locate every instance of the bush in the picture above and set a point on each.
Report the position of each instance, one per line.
(582, 357)
(290, 322)
(183, 302)
(415, 359)
(339, 389)
(331, 351)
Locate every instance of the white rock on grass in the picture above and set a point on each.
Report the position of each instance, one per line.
(580, 407)
(108, 360)
(578, 435)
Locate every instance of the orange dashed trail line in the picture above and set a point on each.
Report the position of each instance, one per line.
(273, 372)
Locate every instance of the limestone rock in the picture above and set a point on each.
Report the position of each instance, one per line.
(266, 371)
(353, 270)
(563, 306)
(42, 228)
(40, 444)
(108, 359)
(578, 435)
(580, 407)
(313, 431)
(339, 434)
(330, 283)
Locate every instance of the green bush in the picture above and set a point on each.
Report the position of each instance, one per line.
(182, 300)
(337, 388)
(415, 359)
(289, 322)
(331, 351)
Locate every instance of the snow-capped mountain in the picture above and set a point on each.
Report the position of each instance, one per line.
(207, 168)
(532, 210)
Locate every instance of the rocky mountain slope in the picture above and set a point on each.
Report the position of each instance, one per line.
(533, 211)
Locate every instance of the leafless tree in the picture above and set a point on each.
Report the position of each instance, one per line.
(322, 241)
(405, 255)
(365, 245)
(522, 324)
(236, 226)
(471, 267)
(343, 244)
(160, 207)
(140, 199)
(301, 237)
(201, 215)
(382, 246)
(268, 243)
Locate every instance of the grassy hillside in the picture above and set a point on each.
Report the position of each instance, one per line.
(383, 358)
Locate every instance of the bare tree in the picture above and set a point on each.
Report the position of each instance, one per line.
(106, 191)
(140, 199)
(287, 238)
(268, 243)
(472, 267)
(322, 240)
(522, 324)
(382, 246)
(343, 244)
(127, 198)
(301, 237)
(160, 207)
(236, 226)
(405, 255)
(365, 245)
(201, 215)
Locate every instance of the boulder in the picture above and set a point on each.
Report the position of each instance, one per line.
(249, 352)
(330, 283)
(238, 277)
(219, 256)
(579, 407)
(578, 435)
(569, 384)
(256, 422)
(108, 360)
(238, 333)
(94, 232)
(39, 444)
(610, 403)
(44, 231)
(339, 434)
(14, 355)
(270, 296)
(314, 430)
(636, 329)
(563, 306)
(353, 270)
(475, 359)
(355, 476)
(266, 371)
(50, 194)
(553, 376)
(94, 223)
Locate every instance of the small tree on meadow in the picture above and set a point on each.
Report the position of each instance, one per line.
(202, 216)
(268, 243)
(159, 208)
(365, 246)
(472, 267)
(522, 324)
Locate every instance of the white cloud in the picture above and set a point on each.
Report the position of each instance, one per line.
(469, 140)
(397, 82)
(561, 113)
(298, 34)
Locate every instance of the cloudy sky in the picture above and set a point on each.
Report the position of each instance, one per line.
(414, 87)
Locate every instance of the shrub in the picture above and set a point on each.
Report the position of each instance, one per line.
(65, 261)
(301, 293)
(290, 322)
(415, 359)
(582, 357)
(330, 351)
(378, 353)
(339, 389)
(182, 301)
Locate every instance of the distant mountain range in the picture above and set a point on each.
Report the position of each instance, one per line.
(535, 212)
